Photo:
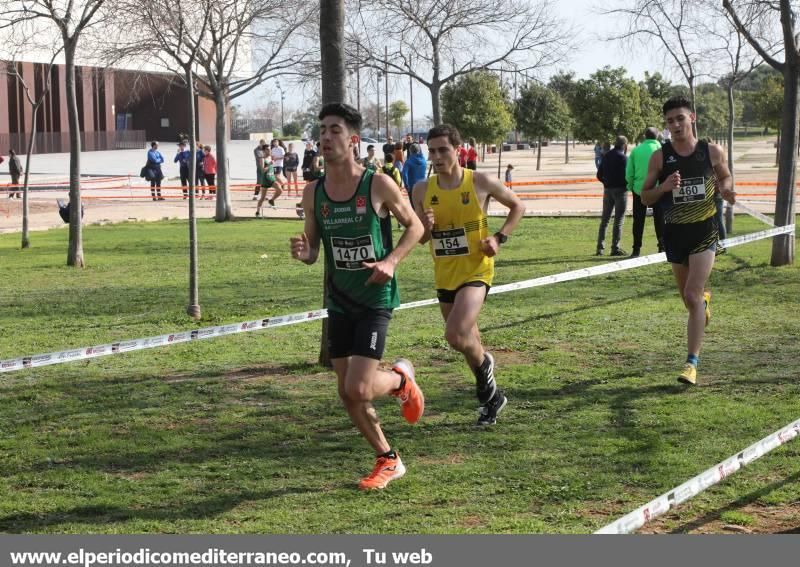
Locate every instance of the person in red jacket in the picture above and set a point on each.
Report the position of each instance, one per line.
(210, 171)
(472, 155)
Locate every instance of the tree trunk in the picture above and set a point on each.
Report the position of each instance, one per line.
(499, 159)
(193, 309)
(539, 155)
(224, 211)
(692, 95)
(75, 250)
(783, 245)
(731, 109)
(436, 90)
(331, 36)
(26, 241)
(566, 148)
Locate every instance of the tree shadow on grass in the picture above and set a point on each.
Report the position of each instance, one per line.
(94, 514)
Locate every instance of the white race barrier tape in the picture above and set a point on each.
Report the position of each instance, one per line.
(755, 214)
(83, 353)
(706, 479)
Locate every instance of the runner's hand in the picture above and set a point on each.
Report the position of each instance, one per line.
(382, 272)
(489, 246)
(301, 250)
(729, 195)
(672, 182)
(429, 220)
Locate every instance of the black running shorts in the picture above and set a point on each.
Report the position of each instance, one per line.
(449, 295)
(683, 240)
(358, 334)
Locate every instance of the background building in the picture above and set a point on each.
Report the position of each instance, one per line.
(117, 109)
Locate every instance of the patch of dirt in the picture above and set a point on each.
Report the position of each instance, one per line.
(472, 522)
(773, 519)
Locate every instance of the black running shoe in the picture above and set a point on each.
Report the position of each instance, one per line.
(488, 412)
(488, 390)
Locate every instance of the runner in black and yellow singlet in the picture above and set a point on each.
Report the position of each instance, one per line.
(347, 210)
(452, 206)
(682, 178)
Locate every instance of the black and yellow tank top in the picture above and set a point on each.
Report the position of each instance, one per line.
(352, 233)
(693, 201)
(460, 225)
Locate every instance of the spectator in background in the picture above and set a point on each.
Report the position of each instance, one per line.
(318, 164)
(472, 155)
(462, 155)
(290, 162)
(308, 162)
(390, 170)
(398, 156)
(414, 169)
(258, 153)
(509, 169)
(199, 156)
(407, 144)
(15, 169)
(612, 174)
(598, 154)
(388, 147)
(210, 171)
(635, 174)
(277, 152)
(371, 162)
(182, 158)
(154, 173)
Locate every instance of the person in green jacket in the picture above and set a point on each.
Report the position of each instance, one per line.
(635, 172)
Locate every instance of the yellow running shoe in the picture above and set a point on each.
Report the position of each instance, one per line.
(386, 470)
(689, 374)
(707, 299)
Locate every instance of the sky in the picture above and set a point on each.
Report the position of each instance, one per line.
(593, 53)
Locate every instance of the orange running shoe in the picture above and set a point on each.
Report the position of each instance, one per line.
(412, 401)
(386, 470)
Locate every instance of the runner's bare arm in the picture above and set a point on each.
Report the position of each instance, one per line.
(719, 162)
(651, 190)
(494, 188)
(425, 217)
(386, 194)
(305, 247)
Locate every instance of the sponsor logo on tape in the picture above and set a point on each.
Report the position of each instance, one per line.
(11, 363)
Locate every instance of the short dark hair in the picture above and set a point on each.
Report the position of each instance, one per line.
(620, 142)
(677, 102)
(350, 115)
(651, 133)
(370, 147)
(453, 136)
(388, 159)
(153, 144)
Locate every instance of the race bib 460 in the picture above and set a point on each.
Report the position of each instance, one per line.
(691, 189)
(349, 253)
(451, 242)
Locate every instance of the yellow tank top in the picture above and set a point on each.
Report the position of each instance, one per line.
(460, 225)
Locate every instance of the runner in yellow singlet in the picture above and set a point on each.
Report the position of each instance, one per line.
(452, 206)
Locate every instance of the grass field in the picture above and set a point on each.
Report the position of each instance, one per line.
(244, 434)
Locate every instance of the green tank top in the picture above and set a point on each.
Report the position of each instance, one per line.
(352, 233)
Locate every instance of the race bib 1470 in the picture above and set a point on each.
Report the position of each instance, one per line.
(349, 253)
(451, 242)
(691, 189)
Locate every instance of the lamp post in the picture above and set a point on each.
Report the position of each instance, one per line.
(282, 97)
(380, 75)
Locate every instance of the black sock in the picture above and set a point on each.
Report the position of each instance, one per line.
(390, 454)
